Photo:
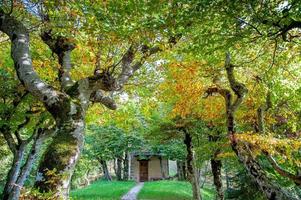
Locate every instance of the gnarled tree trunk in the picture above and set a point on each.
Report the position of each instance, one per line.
(62, 155)
(271, 190)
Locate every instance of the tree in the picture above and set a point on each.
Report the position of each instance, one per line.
(68, 104)
(271, 191)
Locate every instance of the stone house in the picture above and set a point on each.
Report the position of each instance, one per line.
(146, 166)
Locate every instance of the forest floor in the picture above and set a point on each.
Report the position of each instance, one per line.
(157, 190)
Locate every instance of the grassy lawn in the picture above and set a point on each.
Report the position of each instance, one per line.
(103, 190)
(167, 190)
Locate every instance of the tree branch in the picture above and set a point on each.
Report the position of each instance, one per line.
(128, 69)
(19, 37)
(281, 171)
(238, 88)
(98, 97)
(62, 47)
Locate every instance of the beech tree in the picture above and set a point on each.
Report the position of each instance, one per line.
(68, 103)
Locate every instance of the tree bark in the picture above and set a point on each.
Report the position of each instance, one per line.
(119, 169)
(180, 171)
(216, 166)
(18, 172)
(27, 167)
(126, 167)
(13, 173)
(58, 164)
(192, 175)
(105, 170)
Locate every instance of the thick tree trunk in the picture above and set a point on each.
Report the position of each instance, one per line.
(57, 167)
(192, 175)
(216, 166)
(126, 167)
(105, 170)
(119, 169)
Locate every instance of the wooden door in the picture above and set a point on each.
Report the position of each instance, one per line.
(143, 170)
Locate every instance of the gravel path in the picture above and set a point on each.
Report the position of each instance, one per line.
(132, 194)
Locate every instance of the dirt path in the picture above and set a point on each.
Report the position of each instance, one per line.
(132, 194)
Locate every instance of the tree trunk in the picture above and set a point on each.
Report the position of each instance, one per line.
(18, 174)
(271, 190)
(216, 166)
(205, 176)
(27, 167)
(191, 171)
(180, 171)
(185, 173)
(13, 172)
(115, 166)
(105, 170)
(60, 158)
(119, 169)
(126, 167)
(162, 168)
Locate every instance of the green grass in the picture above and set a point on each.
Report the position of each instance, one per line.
(103, 190)
(169, 190)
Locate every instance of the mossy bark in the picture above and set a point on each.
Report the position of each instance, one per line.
(57, 166)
